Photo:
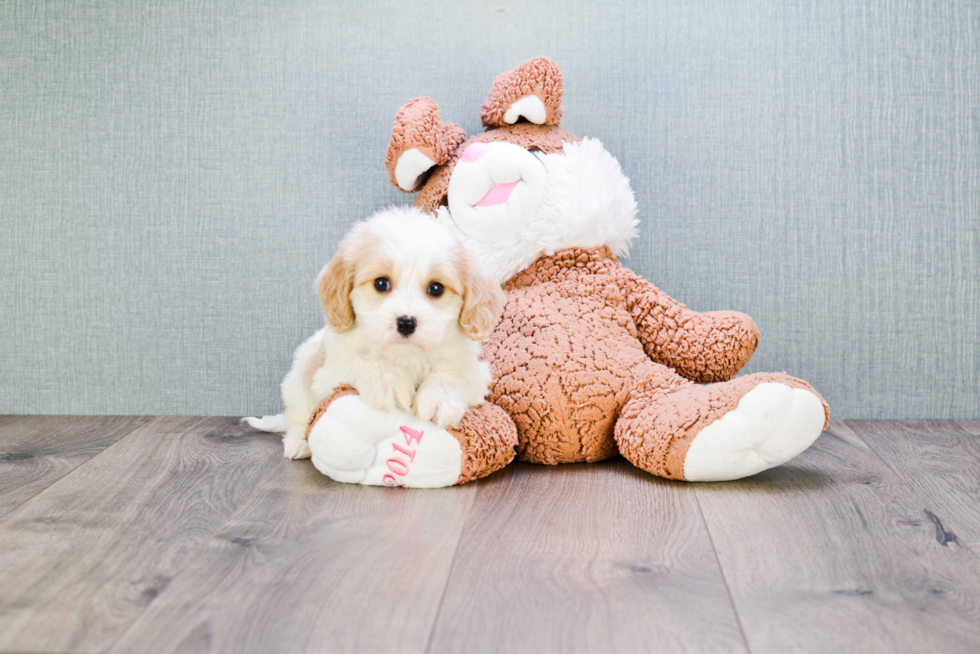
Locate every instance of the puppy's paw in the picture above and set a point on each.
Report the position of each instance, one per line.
(440, 405)
(295, 445)
(388, 393)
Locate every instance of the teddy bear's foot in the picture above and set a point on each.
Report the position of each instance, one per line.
(352, 442)
(724, 431)
(771, 424)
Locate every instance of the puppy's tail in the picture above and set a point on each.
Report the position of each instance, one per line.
(276, 424)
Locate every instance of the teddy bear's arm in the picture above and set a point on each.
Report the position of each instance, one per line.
(703, 347)
(351, 441)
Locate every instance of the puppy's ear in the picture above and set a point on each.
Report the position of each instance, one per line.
(483, 299)
(334, 285)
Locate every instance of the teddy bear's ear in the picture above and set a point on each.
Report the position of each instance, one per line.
(532, 91)
(419, 141)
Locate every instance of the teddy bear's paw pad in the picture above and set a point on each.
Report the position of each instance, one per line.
(354, 443)
(771, 424)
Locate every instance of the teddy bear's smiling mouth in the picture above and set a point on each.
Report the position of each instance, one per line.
(498, 194)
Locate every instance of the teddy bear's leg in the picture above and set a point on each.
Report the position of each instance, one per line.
(720, 431)
(352, 442)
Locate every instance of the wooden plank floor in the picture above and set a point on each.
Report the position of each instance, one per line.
(193, 535)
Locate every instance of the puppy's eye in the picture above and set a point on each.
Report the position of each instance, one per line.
(382, 285)
(435, 289)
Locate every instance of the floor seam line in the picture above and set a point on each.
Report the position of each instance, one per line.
(724, 579)
(854, 431)
(3, 516)
(449, 575)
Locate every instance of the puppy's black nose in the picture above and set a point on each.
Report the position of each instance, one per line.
(406, 325)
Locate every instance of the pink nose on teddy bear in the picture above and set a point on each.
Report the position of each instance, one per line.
(474, 151)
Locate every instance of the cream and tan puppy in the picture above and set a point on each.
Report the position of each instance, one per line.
(405, 307)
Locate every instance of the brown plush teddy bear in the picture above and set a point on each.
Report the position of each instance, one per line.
(589, 359)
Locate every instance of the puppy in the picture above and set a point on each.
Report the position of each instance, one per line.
(405, 306)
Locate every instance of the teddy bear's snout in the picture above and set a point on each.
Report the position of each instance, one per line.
(474, 151)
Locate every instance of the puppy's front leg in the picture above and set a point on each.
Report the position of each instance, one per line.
(444, 398)
(385, 389)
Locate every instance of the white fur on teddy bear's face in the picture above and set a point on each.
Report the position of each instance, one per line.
(577, 199)
(503, 164)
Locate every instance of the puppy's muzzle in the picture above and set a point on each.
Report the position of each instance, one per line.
(406, 325)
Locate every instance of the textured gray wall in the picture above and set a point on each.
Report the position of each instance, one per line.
(173, 175)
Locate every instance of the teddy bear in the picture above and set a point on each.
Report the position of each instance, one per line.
(589, 359)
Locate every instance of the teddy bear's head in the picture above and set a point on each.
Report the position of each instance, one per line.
(524, 187)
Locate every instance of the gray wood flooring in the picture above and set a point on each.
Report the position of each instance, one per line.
(194, 535)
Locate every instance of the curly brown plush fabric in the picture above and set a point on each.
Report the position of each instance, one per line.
(574, 343)
(488, 438)
(540, 77)
(419, 125)
(659, 422)
(703, 347)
